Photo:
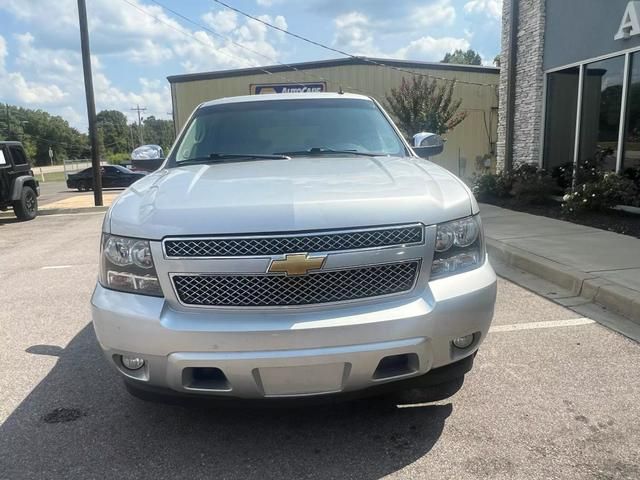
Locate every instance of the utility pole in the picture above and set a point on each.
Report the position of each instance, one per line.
(139, 110)
(133, 142)
(91, 105)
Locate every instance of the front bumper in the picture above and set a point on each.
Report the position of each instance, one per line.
(295, 352)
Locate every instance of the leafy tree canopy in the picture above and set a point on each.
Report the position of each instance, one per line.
(424, 105)
(470, 57)
(113, 131)
(38, 131)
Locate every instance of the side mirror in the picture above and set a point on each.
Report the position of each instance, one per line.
(147, 152)
(427, 144)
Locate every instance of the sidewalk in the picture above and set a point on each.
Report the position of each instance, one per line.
(78, 203)
(595, 264)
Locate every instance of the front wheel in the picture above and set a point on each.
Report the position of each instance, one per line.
(27, 207)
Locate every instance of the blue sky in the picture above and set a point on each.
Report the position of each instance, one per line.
(137, 43)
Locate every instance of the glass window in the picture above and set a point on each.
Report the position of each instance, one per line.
(18, 155)
(601, 103)
(560, 121)
(274, 126)
(631, 157)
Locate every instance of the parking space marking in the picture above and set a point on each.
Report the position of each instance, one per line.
(573, 322)
(55, 267)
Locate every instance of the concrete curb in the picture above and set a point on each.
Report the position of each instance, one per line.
(612, 296)
(60, 211)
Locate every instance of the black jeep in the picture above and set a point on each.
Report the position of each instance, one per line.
(18, 187)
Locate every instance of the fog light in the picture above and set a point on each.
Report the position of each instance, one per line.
(132, 363)
(463, 342)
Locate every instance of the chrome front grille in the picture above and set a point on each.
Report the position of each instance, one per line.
(281, 244)
(277, 290)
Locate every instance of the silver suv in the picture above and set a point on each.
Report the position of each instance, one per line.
(294, 245)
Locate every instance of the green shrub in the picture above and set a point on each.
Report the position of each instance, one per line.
(633, 174)
(608, 190)
(532, 184)
(118, 158)
(491, 186)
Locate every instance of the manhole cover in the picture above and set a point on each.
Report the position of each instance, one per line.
(60, 415)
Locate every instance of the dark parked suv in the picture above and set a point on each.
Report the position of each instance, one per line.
(18, 187)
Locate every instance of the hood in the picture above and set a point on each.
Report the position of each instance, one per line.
(300, 194)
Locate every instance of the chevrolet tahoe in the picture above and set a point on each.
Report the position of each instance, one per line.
(294, 245)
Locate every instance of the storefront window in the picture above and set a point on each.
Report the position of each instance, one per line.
(560, 121)
(631, 158)
(601, 103)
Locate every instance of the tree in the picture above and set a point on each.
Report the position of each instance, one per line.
(39, 131)
(470, 57)
(114, 131)
(421, 105)
(158, 132)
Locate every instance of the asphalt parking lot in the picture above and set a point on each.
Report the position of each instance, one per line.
(552, 396)
(54, 192)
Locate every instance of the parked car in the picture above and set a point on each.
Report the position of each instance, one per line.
(18, 187)
(113, 176)
(294, 246)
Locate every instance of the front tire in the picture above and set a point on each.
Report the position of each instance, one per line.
(27, 207)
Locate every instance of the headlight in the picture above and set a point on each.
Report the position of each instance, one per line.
(126, 264)
(458, 247)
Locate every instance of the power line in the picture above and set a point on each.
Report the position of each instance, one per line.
(240, 45)
(342, 52)
(188, 34)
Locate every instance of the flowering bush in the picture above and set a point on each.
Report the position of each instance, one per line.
(608, 190)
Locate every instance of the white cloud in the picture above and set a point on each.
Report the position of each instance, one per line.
(47, 68)
(222, 21)
(3, 53)
(431, 49)
(440, 13)
(354, 33)
(491, 8)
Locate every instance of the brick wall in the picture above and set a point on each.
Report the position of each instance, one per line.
(529, 82)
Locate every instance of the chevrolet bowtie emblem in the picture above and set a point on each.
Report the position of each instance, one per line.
(297, 264)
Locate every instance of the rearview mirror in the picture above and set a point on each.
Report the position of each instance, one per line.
(427, 144)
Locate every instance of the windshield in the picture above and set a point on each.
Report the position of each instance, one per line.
(294, 127)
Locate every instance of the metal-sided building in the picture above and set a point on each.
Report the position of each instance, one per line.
(470, 146)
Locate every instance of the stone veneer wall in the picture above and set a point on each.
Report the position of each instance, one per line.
(529, 82)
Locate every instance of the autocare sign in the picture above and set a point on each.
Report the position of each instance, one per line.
(288, 88)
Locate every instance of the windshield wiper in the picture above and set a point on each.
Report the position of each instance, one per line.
(232, 157)
(330, 151)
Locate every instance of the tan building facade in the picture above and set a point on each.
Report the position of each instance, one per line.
(470, 147)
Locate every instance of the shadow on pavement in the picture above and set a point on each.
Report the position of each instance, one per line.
(8, 220)
(79, 422)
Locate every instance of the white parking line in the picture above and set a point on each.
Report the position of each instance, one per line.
(55, 267)
(573, 322)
